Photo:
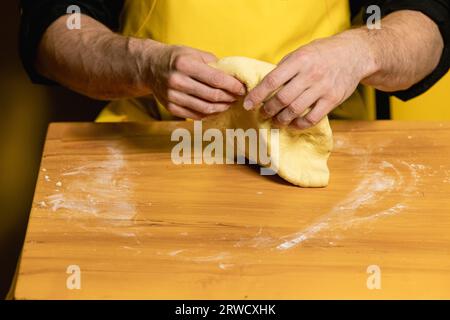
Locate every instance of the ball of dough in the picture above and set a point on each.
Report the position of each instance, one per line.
(303, 154)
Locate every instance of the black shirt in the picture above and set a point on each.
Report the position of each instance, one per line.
(37, 15)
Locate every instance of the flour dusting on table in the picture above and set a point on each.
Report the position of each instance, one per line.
(360, 205)
(98, 188)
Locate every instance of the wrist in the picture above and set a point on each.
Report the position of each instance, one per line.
(146, 53)
(364, 50)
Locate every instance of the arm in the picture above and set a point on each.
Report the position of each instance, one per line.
(77, 60)
(323, 74)
(405, 50)
(101, 64)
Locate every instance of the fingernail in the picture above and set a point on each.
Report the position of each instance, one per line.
(282, 120)
(300, 124)
(242, 92)
(248, 104)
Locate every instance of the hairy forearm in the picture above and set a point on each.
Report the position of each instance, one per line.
(405, 50)
(95, 61)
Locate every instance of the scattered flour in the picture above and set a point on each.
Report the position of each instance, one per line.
(99, 188)
(135, 250)
(362, 203)
(174, 253)
(215, 257)
(225, 266)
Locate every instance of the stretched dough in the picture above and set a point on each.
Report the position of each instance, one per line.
(303, 154)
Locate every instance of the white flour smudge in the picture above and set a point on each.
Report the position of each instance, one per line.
(174, 253)
(97, 188)
(215, 257)
(191, 255)
(133, 249)
(360, 205)
(257, 241)
(225, 266)
(60, 201)
(446, 177)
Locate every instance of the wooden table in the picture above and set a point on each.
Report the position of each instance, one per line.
(110, 201)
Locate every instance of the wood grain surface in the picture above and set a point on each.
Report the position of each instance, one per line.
(110, 200)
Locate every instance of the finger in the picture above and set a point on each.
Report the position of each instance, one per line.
(292, 90)
(190, 86)
(196, 104)
(271, 82)
(215, 78)
(208, 57)
(313, 117)
(185, 113)
(298, 107)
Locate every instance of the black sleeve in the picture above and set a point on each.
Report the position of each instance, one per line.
(38, 15)
(439, 12)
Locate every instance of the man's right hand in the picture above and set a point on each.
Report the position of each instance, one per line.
(101, 64)
(182, 80)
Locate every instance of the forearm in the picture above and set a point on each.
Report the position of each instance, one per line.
(405, 50)
(94, 61)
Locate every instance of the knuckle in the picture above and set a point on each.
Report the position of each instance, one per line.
(209, 109)
(174, 81)
(326, 87)
(180, 62)
(208, 56)
(296, 106)
(316, 72)
(334, 99)
(303, 57)
(286, 116)
(291, 112)
(171, 95)
(216, 96)
(172, 109)
(255, 95)
(271, 82)
(216, 79)
(282, 98)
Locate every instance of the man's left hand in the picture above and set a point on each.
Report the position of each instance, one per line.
(317, 77)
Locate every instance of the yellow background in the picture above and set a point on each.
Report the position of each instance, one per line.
(432, 105)
(26, 110)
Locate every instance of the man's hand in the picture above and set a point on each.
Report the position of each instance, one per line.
(319, 76)
(101, 64)
(182, 80)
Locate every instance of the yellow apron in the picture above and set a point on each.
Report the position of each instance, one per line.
(261, 29)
